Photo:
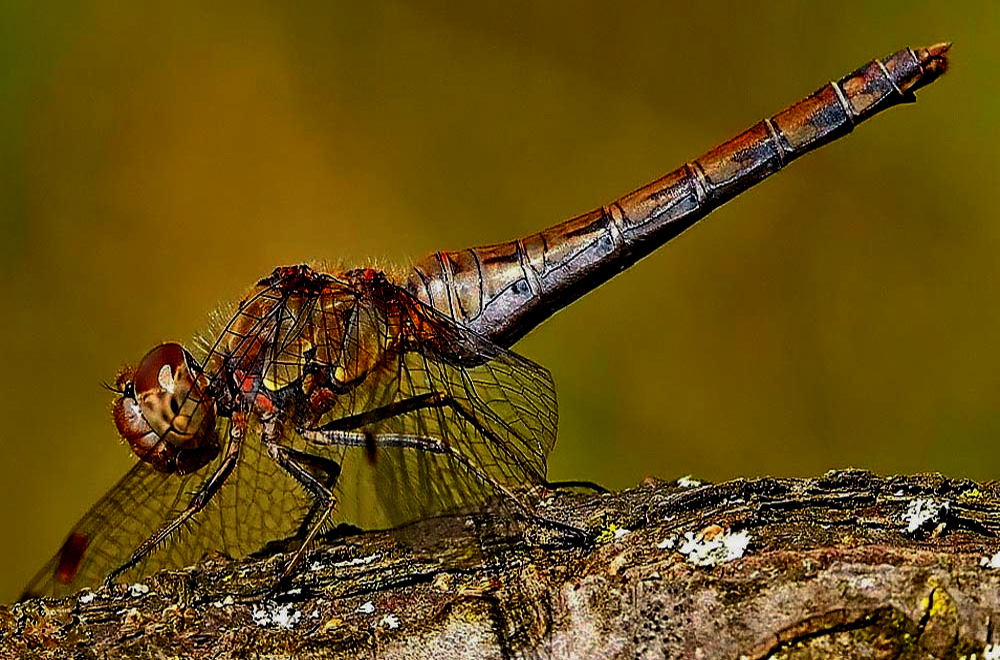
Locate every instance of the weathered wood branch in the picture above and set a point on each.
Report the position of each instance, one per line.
(846, 565)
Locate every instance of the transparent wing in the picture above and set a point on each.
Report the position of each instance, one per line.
(258, 503)
(387, 347)
(492, 425)
(107, 534)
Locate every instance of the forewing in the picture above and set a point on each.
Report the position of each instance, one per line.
(491, 428)
(258, 503)
(107, 535)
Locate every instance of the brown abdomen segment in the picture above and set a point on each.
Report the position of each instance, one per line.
(503, 291)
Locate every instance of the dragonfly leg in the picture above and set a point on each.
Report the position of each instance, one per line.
(208, 489)
(339, 432)
(420, 402)
(382, 413)
(317, 475)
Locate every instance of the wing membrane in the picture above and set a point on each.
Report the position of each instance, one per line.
(500, 421)
(258, 503)
(125, 517)
(492, 426)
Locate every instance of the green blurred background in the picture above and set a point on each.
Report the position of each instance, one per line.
(157, 161)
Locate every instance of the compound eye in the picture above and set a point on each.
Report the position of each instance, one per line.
(159, 369)
(172, 396)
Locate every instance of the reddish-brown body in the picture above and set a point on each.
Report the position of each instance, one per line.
(503, 291)
(329, 390)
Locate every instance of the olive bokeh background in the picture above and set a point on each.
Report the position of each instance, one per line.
(157, 161)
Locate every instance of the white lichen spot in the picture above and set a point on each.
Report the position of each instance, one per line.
(390, 621)
(990, 562)
(687, 481)
(711, 550)
(991, 652)
(924, 512)
(621, 531)
(275, 615)
(286, 617)
(358, 561)
(136, 590)
(317, 566)
(87, 596)
(260, 616)
(667, 544)
(225, 602)
(366, 608)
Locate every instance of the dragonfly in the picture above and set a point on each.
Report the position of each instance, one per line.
(380, 398)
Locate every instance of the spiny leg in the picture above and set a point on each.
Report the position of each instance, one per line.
(338, 432)
(208, 489)
(305, 469)
(318, 468)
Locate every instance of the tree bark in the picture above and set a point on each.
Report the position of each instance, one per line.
(846, 565)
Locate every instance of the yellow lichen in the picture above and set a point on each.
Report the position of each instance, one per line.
(971, 494)
(608, 534)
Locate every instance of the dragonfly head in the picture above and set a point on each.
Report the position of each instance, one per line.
(164, 411)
